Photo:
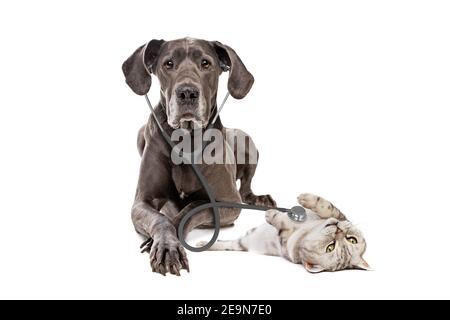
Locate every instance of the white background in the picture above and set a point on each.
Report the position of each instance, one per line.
(351, 101)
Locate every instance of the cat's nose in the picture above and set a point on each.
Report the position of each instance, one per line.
(339, 234)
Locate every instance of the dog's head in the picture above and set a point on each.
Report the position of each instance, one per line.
(188, 71)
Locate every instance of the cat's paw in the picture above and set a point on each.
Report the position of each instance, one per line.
(308, 200)
(321, 206)
(271, 214)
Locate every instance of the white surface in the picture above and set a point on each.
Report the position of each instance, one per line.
(351, 101)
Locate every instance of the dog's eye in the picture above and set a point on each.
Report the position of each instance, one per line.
(168, 64)
(205, 64)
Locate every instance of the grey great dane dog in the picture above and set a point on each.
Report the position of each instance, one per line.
(188, 71)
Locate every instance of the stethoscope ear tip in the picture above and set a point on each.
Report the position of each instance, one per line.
(297, 214)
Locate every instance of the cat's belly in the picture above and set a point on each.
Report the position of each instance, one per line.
(264, 240)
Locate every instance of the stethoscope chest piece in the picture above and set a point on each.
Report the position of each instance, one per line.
(297, 214)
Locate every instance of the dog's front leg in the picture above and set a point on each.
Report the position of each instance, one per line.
(155, 188)
(166, 251)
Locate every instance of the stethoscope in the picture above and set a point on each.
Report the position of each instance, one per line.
(296, 213)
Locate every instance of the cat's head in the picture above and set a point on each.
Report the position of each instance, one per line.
(329, 245)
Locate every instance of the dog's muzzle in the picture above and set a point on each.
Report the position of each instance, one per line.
(187, 108)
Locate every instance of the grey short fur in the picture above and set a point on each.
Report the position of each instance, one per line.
(165, 191)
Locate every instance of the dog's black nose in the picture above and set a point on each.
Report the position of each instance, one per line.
(187, 94)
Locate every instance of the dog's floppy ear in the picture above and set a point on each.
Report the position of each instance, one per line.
(240, 80)
(138, 66)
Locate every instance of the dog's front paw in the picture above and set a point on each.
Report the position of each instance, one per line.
(264, 200)
(167, 255)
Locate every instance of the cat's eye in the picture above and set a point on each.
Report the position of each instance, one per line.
(352, 240)
(330, 247)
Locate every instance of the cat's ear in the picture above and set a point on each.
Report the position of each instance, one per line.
(363, 265)
(313, 268)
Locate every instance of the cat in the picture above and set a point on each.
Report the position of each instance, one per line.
(326, 241)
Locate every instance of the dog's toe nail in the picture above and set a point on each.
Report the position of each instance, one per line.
(162, 270)
(175, 270)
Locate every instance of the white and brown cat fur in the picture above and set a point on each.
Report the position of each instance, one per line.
(326, 241)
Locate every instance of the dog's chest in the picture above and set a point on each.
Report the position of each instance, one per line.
(221, 179)
(185, 180)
